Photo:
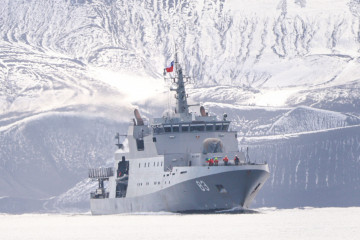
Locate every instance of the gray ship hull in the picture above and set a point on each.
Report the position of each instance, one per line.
(212, 192)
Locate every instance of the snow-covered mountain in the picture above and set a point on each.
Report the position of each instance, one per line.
(310, 169)
(302, 119)
(72, 71)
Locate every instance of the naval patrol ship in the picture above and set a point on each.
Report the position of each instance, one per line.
(165, 167)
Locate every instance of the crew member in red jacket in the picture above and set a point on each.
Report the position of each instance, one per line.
(211, 162)
(216, 161)
(226, 160)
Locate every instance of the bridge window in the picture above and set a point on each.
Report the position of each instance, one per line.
(218, 127)
(175, 128)
(158, 129)
(185, 128)
(225, 127)
(167, 128)
(197, 128)
(209, 127)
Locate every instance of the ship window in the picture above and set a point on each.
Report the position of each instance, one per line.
(225, 127)
(185, 128)
(154, 139)
(197, 128)
(144, 164)
(139, 165)
(157, 164)
(218, 127)
(140, 144)
(148, 164)
(176, 128)
(158, 129)
(209, 127)
(161, 163)
(167, 128)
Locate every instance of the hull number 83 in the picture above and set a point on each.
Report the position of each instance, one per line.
(202, 185)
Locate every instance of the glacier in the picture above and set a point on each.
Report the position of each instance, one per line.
(72, 71)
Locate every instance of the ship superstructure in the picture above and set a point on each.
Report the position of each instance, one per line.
(165, 168)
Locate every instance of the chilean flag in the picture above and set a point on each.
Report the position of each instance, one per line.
(171, 68)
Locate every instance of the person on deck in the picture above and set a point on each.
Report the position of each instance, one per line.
(216, 161)
(226, 160)
(236, 160)
(211, 163)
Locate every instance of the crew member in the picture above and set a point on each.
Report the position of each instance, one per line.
(211, 163)
(207, 160)
(226, 160)
(216, 161)
(236, 160)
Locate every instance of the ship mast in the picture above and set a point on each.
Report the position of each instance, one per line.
(181, 97)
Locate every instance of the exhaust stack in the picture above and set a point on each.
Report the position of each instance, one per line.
(139, 120)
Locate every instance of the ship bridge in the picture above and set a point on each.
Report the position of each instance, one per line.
(193, 126)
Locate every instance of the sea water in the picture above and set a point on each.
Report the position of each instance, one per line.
(305, 223)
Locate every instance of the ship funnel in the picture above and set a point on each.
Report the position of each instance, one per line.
(139, 120)
(202, 111)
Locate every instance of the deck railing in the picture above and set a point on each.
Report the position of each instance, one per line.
(95, 195)
(101, 172)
